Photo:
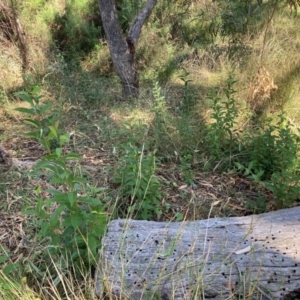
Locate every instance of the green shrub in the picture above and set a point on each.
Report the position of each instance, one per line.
(42, 120)
(272, 159)
(140, 188)
(78, 30)
(186, 169)
(71, 218)
(221, 139)
(268, 154)
(161, 119)
(127, 12)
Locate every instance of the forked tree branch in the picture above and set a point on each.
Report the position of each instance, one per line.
(136, 27)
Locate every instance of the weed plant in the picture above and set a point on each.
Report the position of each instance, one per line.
(221, 137)
(268, 155)
(77, 31)
(71, 219)
(139, 186)
(161, 120)
(272, 158)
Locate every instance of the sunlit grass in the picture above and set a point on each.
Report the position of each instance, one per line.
(11, 289)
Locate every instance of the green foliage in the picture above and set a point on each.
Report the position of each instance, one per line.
(70, 216)
(42, 120)
(127, 11)
(14, 288)
(140, 188)
(188, 100)
(235, 16)
(76, 32)
(258, 205)
(221, 139)
(186, 169)
(159, 123)
(268, 155)
(159, 106)
(273, 159)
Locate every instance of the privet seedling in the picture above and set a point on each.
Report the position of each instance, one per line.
(71, 217)
(220, 139)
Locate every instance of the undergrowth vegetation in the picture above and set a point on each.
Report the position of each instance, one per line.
(218, 118)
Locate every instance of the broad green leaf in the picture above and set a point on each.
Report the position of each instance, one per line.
(239, 166)
(25, 96)
(54, 192)
(76, 220)
(79, 241)
(45, 165)
(260, 173)
(62, 199)
(63, 139)
(56, 240)
(179, 217)
(11, 267)
(90, 200)
(50, 136)
(58, 152)
(72, 197)
(247, 172)
(25, 110)
(93, 244)
(250, 166)
(3, 258)
(100, 228)
(44, 231)
(54, 219)
(50, 157)
(58, 180)
(53, 131)
(46, 107)
(77, 187)
(36, 89)
(39, 205)
(34, 134)
(33, 122)
(80, 179)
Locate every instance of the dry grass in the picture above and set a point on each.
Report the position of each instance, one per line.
(260, 90)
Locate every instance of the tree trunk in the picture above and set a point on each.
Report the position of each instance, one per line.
(12, 28)
(122, 50)
(253, 257)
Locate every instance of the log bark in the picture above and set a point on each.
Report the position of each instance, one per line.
(253, 257)
(122, 50)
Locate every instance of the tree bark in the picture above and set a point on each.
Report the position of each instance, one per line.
(13, 29)
(122, 50)
(253, 257)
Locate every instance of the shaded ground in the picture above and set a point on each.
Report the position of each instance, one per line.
(210, 195)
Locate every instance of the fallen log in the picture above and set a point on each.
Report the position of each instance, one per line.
(253, 257)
